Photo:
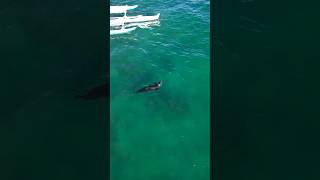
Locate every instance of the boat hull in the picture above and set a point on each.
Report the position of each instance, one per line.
(132, 19)
(122, 31)
(121, 9)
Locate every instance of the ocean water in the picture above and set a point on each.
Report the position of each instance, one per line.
(164, 134)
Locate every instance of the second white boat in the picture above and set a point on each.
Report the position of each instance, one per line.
(122, 31)
(123, 24)
(118, 21)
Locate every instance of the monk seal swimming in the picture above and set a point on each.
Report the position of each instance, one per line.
(151, 87)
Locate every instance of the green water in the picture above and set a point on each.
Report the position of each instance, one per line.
(165, 134)
(266, 92)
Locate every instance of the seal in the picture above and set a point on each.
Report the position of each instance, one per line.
(151, 87)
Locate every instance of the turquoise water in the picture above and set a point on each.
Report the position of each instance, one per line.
(164, 134)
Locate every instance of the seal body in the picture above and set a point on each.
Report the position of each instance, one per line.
(151, 87)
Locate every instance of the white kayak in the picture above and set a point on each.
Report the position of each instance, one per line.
(121, 9)
(118, 21)
(122, 31)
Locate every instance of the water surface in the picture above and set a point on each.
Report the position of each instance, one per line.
(165, 134)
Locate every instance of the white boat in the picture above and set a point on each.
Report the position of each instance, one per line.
(144, 25)
(124, 21)
(117, 21)
(121, 9)
(122, 31)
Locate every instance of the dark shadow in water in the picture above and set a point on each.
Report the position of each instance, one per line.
(103, 91)
(96, 92)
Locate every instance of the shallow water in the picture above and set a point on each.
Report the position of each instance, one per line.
(163, 134)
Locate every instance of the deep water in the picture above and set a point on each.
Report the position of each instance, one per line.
(164, 134)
